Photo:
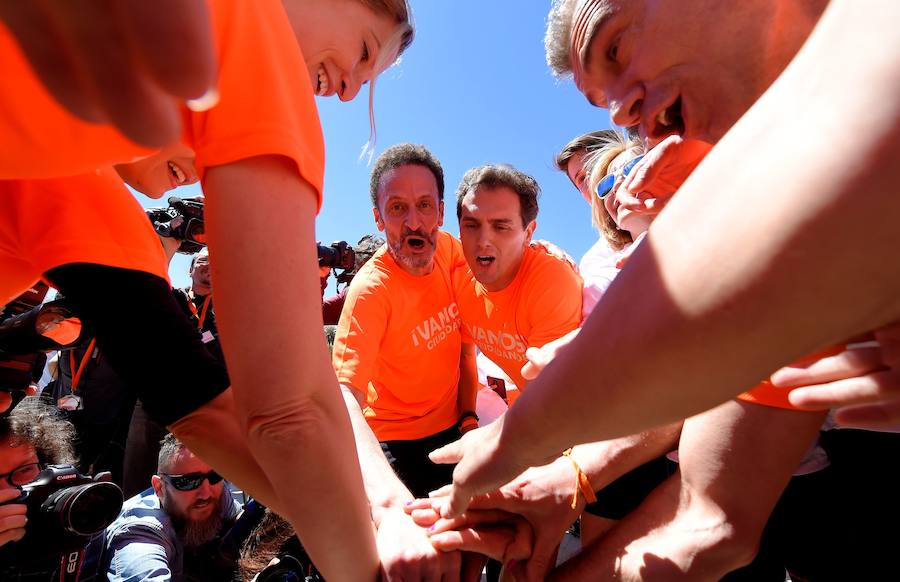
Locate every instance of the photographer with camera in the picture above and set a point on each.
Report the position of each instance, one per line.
(180, 228)
(48, 512)
(340, 256)
(173, 530)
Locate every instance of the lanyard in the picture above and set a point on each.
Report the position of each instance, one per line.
(202, 315)
(76, 373)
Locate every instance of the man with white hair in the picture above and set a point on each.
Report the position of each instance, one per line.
(706, 329)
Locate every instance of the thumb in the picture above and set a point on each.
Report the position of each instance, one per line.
(448, 454)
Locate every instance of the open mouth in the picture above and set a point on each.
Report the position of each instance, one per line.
(178, 176)
(485, 260)
(415, 242)
(322, 84)
(670, 120)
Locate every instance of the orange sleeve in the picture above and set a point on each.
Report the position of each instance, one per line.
(767, 394)
(91, 218)
(38, 138)
(554, 300)
(266, 103)
(360, 330)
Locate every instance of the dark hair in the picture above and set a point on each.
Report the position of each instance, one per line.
(495, 176)
(405, 154)
(40, 425)
(169, 447)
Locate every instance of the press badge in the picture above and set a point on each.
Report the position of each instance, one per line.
(69, 402)
(207, 337)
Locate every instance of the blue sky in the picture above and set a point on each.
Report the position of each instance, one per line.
(474, 88)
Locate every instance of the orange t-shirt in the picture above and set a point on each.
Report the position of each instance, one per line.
(541, 304)
(266, 106)
(766, 394)
(398, 342)
(69, 221)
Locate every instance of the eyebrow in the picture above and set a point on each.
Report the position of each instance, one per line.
(601, 19)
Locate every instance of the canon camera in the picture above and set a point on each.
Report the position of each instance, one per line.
(64, 509)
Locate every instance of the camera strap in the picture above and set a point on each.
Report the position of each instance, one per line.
(77, 372)
(70, 566)
(203, 309)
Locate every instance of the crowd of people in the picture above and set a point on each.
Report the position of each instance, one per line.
(709, 394)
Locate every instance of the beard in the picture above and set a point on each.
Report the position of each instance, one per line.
(413, 262)
(193, 532)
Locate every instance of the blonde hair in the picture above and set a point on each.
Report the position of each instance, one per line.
(397, 43)
(596, 166)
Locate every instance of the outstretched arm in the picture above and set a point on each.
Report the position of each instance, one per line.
(260, 222)
(807, 267)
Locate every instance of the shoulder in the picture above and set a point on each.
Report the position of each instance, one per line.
(543, 263)
(141, 515)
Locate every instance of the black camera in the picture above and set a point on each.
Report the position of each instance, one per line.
(339, 255)
(28, 328)
(64, 509)
(183, 220)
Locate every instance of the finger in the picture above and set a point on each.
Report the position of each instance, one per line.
(442, 492)
(471, 518)
(868, 389)
(845, 365)
(538, 358)
(448, 454)
(882, 416)
(10, 493)
(425, 517)
(184, 64)
(418, 504)
(12, 535)
(457, 502)
(491, 542)
(120, 85)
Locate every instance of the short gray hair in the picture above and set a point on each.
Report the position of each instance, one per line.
(558, 38)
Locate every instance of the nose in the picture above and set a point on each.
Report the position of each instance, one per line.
(350, 85)
(625, 104)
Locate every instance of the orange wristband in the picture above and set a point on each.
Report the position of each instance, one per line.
(582, 483)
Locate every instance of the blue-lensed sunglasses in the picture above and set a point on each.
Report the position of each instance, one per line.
(606, 184)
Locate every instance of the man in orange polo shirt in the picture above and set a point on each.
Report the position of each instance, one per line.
(406, 375)
(513, 295)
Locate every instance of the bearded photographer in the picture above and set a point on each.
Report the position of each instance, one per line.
(31, 436)
(172, 530)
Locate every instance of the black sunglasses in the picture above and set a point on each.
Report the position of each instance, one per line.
(606, 184)
(191, 481)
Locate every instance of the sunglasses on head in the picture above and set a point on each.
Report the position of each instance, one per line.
(606, 184)
(191, 481)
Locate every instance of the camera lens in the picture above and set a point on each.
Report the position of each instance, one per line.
(87, 509)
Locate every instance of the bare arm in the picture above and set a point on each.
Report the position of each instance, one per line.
(735, 461)
(468, 378)
(404, 548)
(711, 295)
(260, 222)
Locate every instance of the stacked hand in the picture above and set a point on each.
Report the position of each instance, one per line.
(863, 382)
(536, 506)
